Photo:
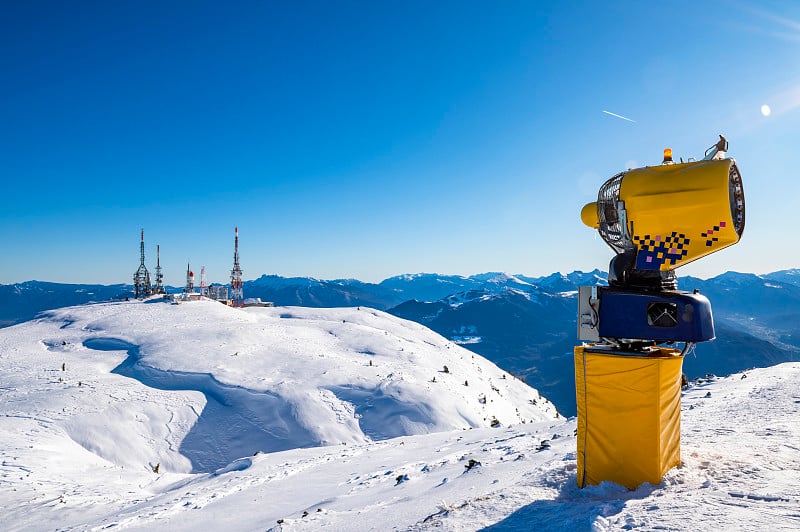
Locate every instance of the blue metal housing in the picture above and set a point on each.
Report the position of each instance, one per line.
(663, 316)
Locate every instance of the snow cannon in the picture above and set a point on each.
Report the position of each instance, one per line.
(628, 387)
(656, 219)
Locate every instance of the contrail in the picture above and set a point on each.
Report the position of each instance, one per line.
(619, 116)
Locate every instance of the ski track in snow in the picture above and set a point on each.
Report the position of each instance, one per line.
(80, 441)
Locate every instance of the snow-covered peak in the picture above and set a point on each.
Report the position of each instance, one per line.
(733, 279)
(499, 278)
(277, 282)
(791, 276)
(408, 277)
(530, 293)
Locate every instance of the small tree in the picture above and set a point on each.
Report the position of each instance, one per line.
(472, 464)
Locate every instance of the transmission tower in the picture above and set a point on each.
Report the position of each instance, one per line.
(159, 286)
(203, 285)
(141, 279)
(189, 288)
(237, 295)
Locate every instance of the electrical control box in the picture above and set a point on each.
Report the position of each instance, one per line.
(588, 314)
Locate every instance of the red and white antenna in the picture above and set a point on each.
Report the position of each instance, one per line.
(189, 289)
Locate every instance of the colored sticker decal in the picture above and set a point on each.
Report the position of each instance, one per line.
(710, 240)
(657, 251)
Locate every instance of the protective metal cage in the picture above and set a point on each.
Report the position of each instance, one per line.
(611, 226)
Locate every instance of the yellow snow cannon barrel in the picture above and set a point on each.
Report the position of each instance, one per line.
(678, 213)
(670, 214)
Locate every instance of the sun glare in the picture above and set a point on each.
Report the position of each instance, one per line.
(765, 110)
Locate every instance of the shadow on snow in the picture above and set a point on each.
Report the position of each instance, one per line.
(235, 422)
(575, 509)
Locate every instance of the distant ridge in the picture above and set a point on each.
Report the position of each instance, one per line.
(22, 301)
(308, 291)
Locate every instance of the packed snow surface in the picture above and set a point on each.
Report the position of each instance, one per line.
(160, 417)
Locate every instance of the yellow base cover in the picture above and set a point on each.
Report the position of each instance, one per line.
(629, 415)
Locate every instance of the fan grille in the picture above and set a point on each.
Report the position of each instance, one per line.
(610, 227)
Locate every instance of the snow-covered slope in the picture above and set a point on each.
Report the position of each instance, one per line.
(224, 383)
(147, 426)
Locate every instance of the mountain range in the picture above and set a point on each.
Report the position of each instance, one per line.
(20, 302)
(531, 331)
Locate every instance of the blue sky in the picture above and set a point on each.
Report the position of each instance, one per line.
(370, 139)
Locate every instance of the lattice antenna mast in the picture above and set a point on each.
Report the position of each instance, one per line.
(203, 285)
(159, 286)
(141, 279)
(237, 294)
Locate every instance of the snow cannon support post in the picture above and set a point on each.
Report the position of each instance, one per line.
(629, 410)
